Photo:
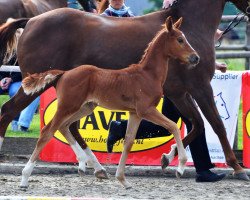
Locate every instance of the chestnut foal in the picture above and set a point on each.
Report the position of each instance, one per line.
(137, 89)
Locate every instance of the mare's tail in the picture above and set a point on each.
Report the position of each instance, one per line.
(35, 83)
(7, 36)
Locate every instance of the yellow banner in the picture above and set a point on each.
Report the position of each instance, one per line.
(94, 129)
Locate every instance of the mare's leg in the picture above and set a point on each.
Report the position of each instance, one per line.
(198, 147)
(133, 124)
(11, 109)
(187, 108)
(46, 134)
(156, 117)
(206, 103)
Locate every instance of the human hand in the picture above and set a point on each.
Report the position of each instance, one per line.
(221, 66)
(218, 35)
(167, 3)
(5, 83)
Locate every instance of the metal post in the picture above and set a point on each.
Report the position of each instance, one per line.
(247, 63)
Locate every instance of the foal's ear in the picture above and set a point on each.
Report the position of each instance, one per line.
(178, 23)
(169, 24)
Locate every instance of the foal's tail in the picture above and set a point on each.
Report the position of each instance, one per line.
(7, 37)
(34, 83)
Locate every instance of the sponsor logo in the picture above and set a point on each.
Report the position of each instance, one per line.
(94, 129)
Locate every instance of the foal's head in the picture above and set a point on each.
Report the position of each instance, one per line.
(177, 45)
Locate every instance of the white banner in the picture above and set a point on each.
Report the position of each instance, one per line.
(227, 91)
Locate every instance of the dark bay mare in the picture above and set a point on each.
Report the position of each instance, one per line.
(30, 8)
(134, 89)
(65, 38)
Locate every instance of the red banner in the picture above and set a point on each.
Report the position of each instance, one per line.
(246, 118)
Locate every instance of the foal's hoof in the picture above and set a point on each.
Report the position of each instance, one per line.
(23, 188)
(241, 176)
(89, 165)
(178, 174)
(164, 161)
(81, 172)
(101, 174)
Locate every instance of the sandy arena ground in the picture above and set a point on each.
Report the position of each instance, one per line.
(160, 187)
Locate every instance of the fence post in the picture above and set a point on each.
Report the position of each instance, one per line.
(247, 48)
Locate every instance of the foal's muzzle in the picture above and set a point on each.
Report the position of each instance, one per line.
(194, 59)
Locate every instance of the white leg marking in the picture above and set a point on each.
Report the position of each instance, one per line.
(26, 173)
(81, 156)
(97, 166)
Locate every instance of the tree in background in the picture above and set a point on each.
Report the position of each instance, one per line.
(157, 5)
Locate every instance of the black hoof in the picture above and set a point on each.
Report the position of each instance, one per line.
(164, 162)
(81, 172)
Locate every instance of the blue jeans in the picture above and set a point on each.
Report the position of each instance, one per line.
(26, 116)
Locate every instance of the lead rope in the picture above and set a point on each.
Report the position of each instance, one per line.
(235, 22)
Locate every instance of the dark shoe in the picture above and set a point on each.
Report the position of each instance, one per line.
(24, 129)
(208, 176)
(115, 134)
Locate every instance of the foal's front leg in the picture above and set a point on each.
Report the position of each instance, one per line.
(153, 115)
(133, 124)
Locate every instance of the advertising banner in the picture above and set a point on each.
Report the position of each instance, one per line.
(94, 128)
(246, 118)
(227, 91)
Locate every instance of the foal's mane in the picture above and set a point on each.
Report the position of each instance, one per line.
(152, 42)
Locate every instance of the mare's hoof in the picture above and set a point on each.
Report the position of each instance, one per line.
(241, 176)
(164, 161)
(101, 174)
(81, 172)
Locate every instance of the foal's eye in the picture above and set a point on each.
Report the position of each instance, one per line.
(180, 40)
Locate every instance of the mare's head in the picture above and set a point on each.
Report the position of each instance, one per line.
(177, 45)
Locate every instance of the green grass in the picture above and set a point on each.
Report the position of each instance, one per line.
(233, 64)
(34, 129)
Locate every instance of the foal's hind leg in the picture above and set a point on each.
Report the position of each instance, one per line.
(46, 134)
(85, 110)
(153, 115)
(206, 103)
(75, 132)
(10, 110)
